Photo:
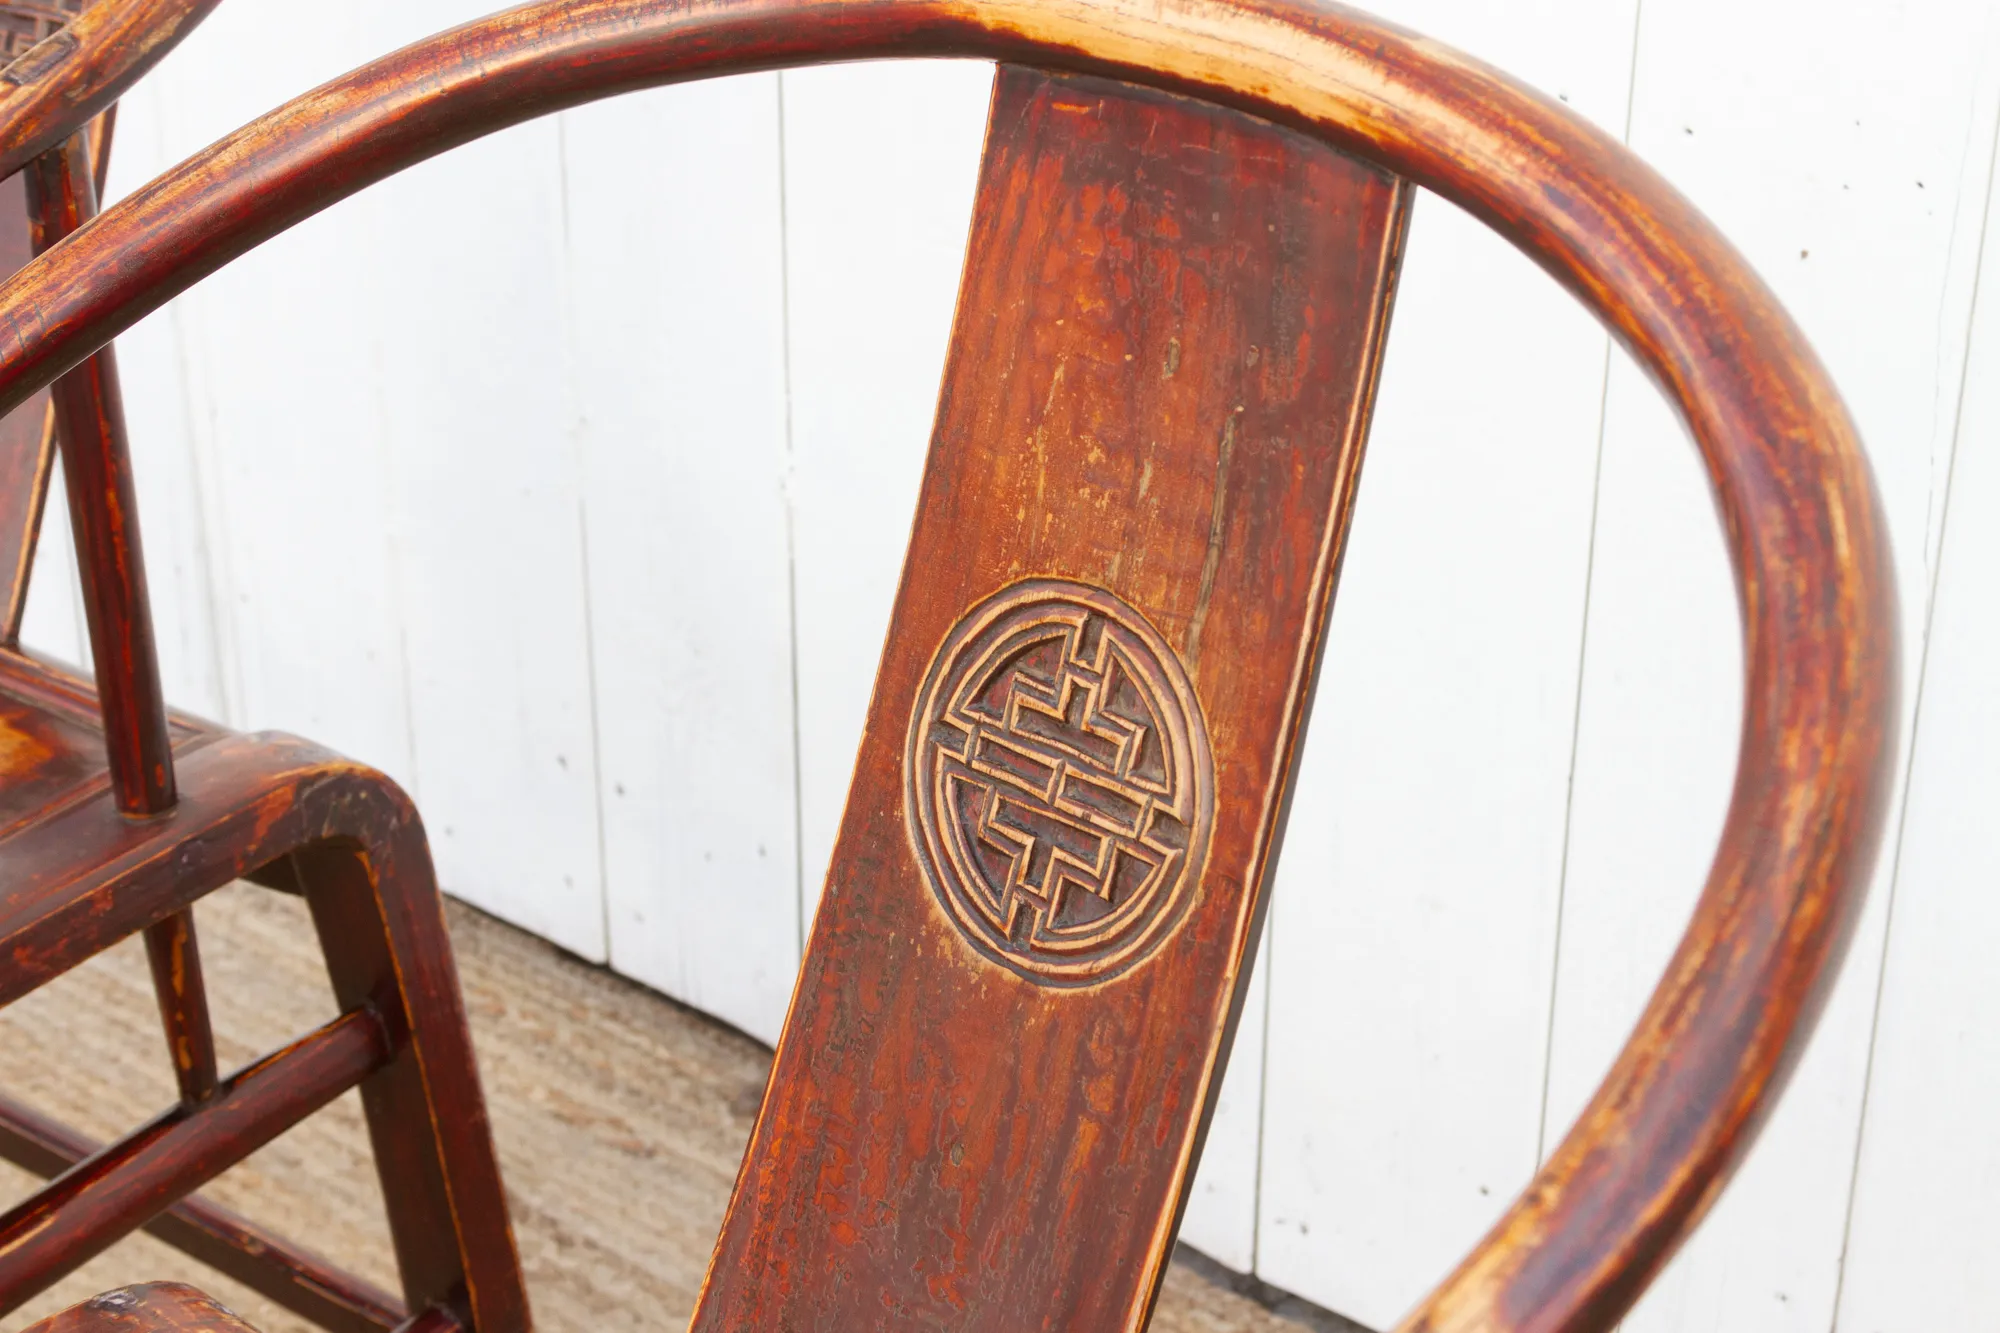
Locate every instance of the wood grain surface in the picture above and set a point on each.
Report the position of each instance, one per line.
(104, 522)
(151, 1307)
(48, 92)
(81, 875)
(1718, 1038)
(89, 808)
(1167, 342)
(105, 1198)
(621, 1118)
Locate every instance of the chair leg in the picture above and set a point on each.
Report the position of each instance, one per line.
(176, 962)
(381, 923)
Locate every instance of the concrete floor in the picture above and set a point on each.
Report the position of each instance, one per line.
(620, 1116)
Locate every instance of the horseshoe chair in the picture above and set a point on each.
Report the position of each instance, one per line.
(1021, 986)
(115, 815)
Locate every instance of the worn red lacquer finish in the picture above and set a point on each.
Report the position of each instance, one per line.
(78, 876)
(271, 1265)
(1158, 389)
(164, 1307)
(98, 838)
(82, 67)
(1008, 1027)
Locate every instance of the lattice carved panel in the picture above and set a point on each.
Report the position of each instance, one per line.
(23, 23)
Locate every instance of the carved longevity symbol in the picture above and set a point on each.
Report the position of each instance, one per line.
(1058, 781)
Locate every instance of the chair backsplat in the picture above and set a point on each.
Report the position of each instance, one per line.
(1011, 1017)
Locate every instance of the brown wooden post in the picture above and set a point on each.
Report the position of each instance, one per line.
(97, 472)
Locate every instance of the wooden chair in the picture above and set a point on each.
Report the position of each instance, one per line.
(1021, 985)
(115, 816)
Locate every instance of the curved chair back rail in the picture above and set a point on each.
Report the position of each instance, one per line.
(1796, 499)
(49, 91)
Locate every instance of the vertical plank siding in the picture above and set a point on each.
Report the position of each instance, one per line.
(1923, 1221)
(1413, 932)
(52, 622)
(880, 165)
(678, 378)
(1847, 157)
(620, 501)
(301, 643)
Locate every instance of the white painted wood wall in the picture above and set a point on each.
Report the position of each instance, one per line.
(567, 479)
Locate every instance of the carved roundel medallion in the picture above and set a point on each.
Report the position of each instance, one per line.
(1058, 782)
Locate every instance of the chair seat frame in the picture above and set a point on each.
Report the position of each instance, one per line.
(115, 817)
